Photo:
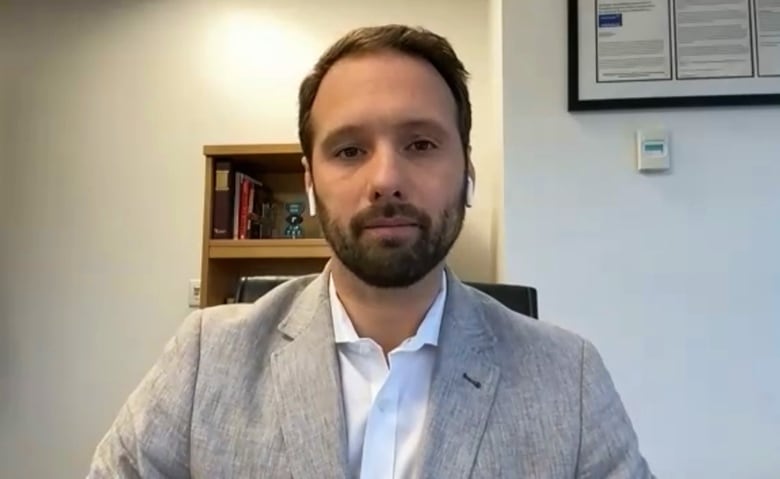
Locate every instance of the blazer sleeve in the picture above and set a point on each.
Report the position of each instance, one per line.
(150, 437)
(609, 446)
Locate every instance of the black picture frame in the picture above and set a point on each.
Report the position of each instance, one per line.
(575, 103)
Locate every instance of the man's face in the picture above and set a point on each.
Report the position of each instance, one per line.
(388, 168)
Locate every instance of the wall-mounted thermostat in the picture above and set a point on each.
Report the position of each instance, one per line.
(653, 150)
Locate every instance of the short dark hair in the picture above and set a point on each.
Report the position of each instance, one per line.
(415, 42)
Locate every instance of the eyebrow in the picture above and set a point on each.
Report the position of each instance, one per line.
(431, 127)
(333, 137)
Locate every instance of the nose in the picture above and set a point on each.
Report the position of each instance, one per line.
(386, 177)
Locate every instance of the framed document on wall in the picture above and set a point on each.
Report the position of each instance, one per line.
(673, 53)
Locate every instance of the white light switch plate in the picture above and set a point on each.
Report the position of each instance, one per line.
(194, 293)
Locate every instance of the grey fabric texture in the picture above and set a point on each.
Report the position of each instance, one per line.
(253, 391)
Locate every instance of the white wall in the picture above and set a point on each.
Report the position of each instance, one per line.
(676, 278)
(113, 102)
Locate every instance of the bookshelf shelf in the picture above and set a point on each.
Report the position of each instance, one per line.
(253, 150)
(269, 248)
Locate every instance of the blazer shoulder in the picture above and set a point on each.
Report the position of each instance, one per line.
(522, 333)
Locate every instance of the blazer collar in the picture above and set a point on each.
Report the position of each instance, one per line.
(307, 382)
(465, 324)
(308, 306)
(463, 388)
(463, 321)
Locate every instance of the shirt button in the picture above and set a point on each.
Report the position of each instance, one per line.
(384, 405)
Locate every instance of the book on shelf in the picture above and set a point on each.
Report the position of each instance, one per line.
(243, 206)
(222, 216)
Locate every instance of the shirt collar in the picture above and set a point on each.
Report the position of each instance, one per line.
(427, 332)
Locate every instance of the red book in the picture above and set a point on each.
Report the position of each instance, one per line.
(243, 211)
(236, 201)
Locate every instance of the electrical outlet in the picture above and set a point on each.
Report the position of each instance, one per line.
(194, 293)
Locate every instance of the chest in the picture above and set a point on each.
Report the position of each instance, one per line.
(524, 436)
(529, 436)
(385, 403)
(237, 436)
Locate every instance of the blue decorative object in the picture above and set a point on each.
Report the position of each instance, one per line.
(294, 220)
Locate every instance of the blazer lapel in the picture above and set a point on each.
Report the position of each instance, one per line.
(462, 390)
(308, 387)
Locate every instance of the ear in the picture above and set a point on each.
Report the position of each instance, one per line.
(308, 184)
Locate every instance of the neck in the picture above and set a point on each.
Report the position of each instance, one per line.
(387, 315)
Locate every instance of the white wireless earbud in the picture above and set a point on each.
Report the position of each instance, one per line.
(469, 191)
(312, 203)
(309, 190)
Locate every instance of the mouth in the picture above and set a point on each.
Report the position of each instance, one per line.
(391, 223)
(391, 229)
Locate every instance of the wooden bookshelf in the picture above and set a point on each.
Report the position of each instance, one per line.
(224, 261)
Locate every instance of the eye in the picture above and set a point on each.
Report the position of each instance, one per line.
(421, 145)
(349, 153)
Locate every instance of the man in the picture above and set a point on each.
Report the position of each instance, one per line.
(384, 365)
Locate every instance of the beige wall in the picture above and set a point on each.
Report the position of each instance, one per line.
(114, 101)
(6, 65)
(496, 89)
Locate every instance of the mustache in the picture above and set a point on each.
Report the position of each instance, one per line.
(389, 210)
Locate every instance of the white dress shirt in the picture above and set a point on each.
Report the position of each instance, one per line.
(385, 407)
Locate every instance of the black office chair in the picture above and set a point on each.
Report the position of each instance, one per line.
(521, 299)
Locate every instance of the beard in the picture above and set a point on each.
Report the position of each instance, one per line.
(393, 262)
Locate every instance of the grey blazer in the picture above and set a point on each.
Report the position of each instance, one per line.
(253, 391)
